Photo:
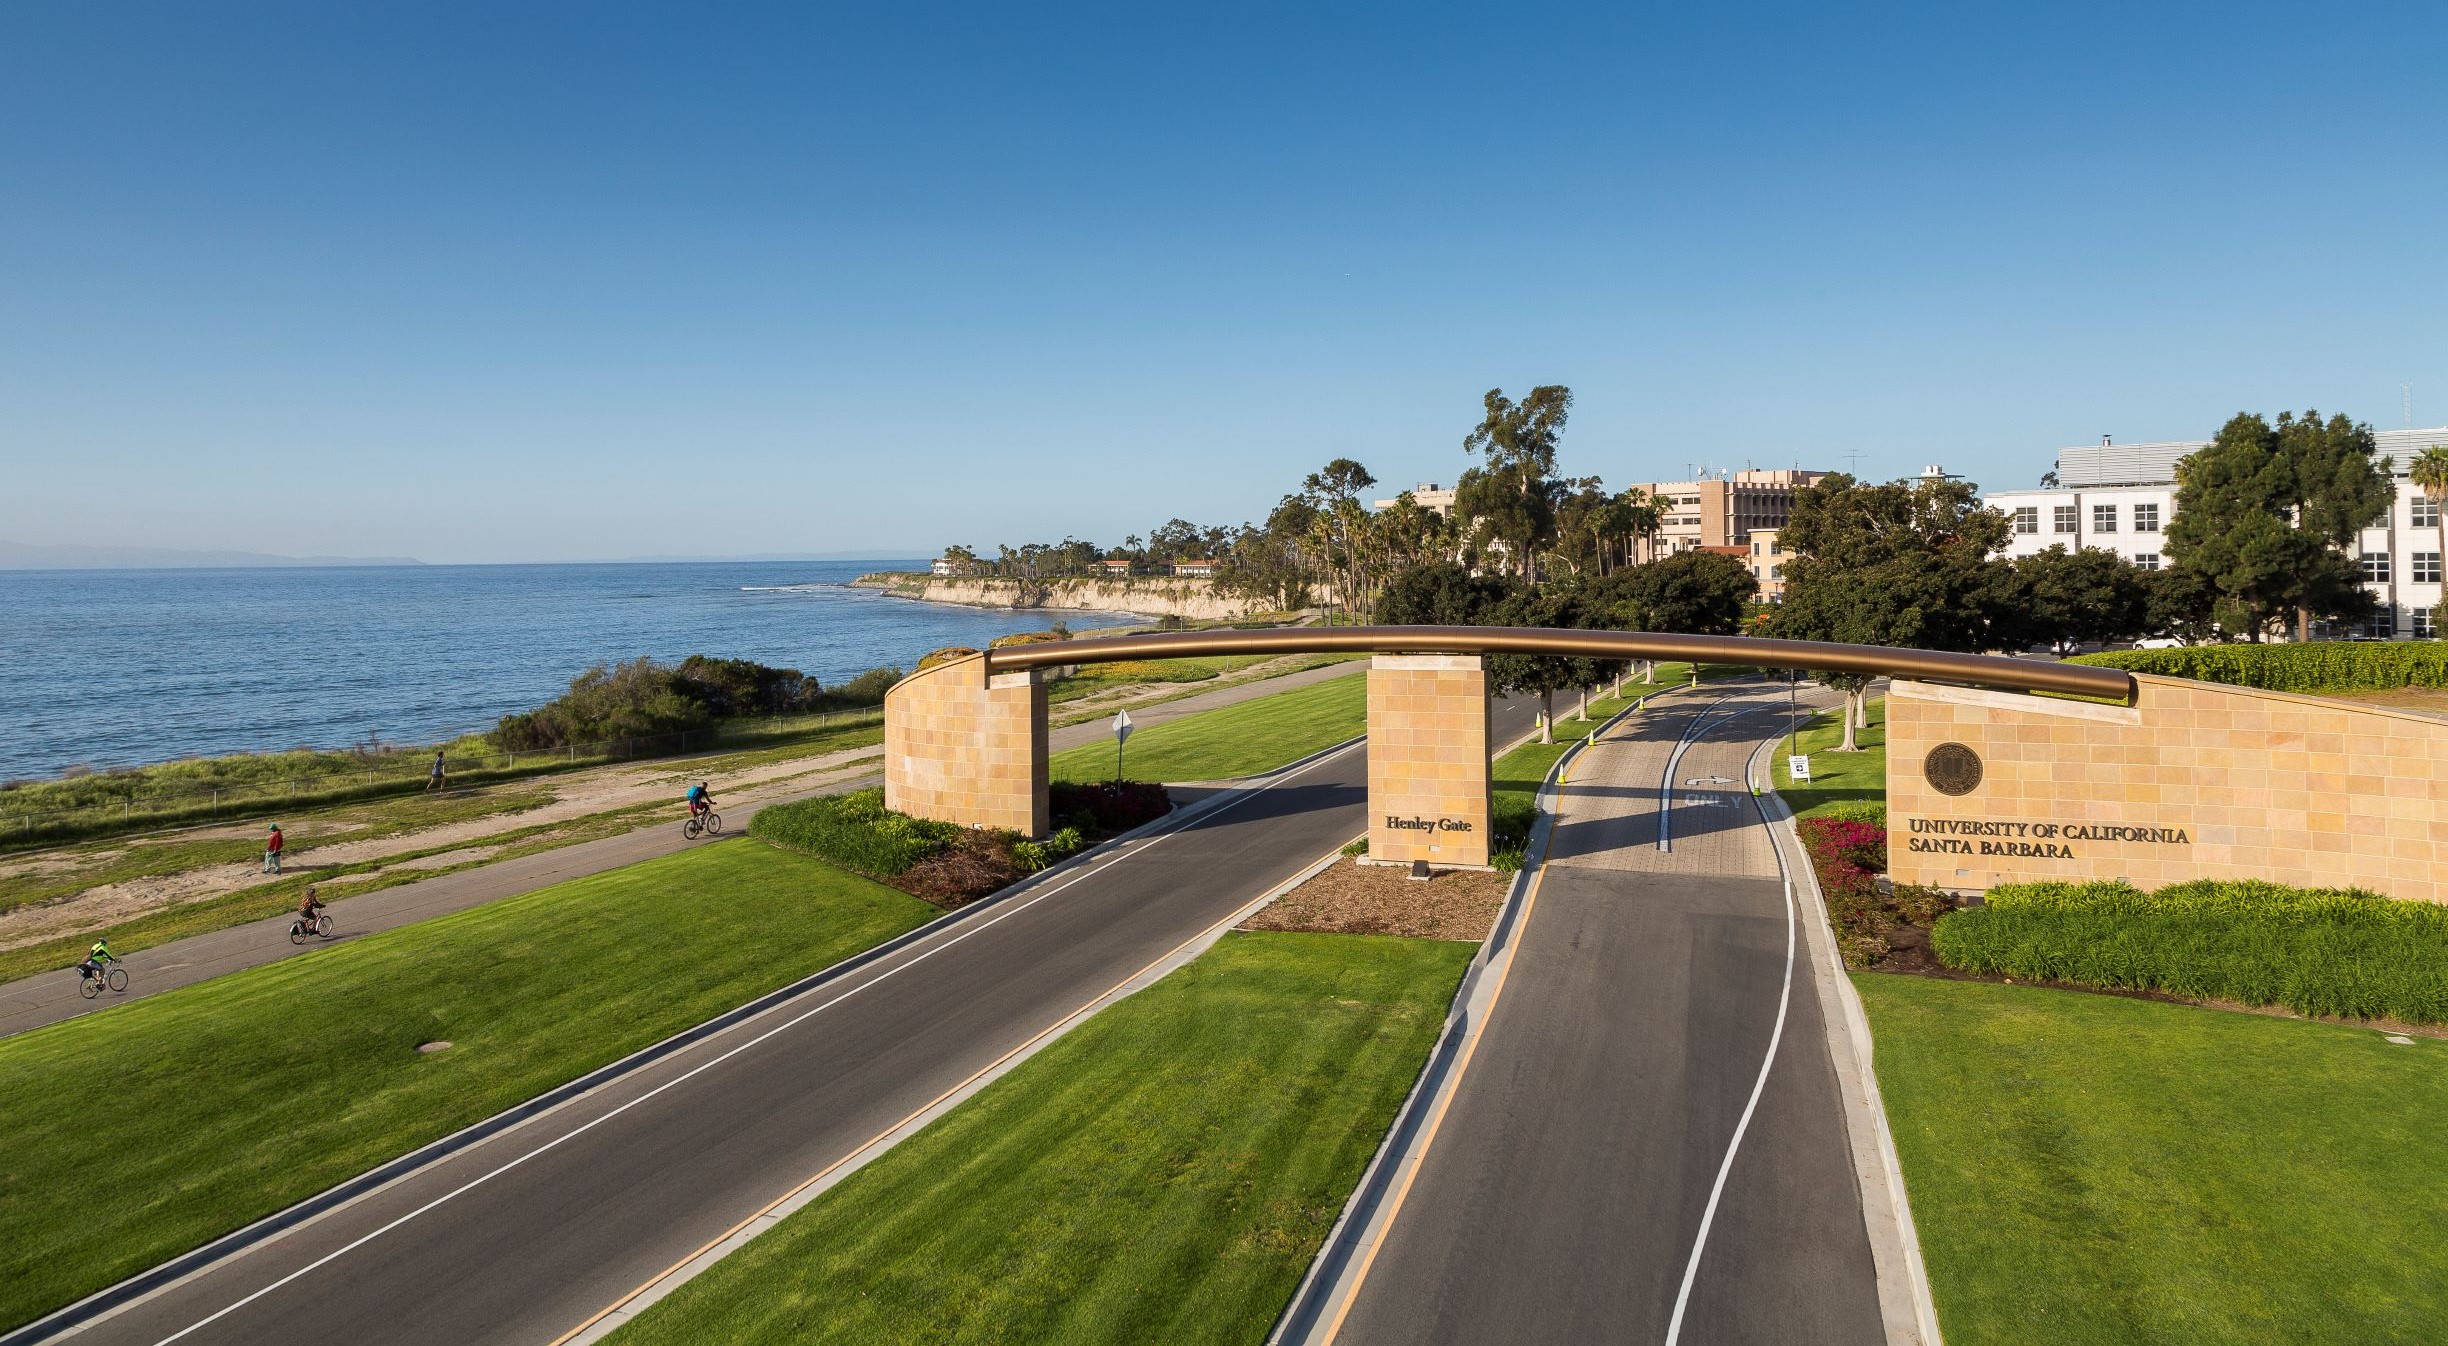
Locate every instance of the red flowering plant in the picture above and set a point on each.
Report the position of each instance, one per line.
(1849, 854)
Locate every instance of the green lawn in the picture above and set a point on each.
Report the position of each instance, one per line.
(134, 1134)
(1163, 1173)
(2089, 1168)
(1837, 778)
(276, 896)
(1236, 740)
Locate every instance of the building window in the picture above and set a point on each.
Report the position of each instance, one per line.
(1776, 572)
(2064, 520)
(2382, 624)
(2422, 623)
(2146, 560)
(2426, 513)
(2426, 567)
(2027, 518)
(2146, 518)
(2375, 567)
(2103, 518)
(1776, 549)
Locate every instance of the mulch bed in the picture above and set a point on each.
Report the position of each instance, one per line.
(1350, 898)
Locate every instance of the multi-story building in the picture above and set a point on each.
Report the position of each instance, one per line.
(1724, 510)
(1766, 561)
(2120, 498)
(1427, 495)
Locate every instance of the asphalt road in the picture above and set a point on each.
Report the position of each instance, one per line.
(48, 997)
(524, 1237)
(1566, 1186)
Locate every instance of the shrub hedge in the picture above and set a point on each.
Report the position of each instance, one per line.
(1100, 808)
(2316, 951)
(855, 831)
(2319, 666)
(946, 863)
(642, 699)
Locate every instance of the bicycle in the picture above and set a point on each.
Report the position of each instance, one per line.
(113, 977)
(708, 823)
(321, 929)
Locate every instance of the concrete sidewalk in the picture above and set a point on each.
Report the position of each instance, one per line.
(50, 997)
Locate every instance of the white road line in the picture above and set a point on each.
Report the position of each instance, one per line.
(1699, 726)
(793, 1022)
(1708, 1214)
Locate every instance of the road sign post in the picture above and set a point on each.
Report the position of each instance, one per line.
(1122, 733)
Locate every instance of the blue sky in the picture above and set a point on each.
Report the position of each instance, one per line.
(494, 282)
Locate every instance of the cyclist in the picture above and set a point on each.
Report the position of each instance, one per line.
(308, 906)
(699, 802)
(96, 958)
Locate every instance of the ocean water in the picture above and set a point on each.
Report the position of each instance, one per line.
(112, 668)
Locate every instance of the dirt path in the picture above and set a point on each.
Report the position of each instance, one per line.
(569, 799)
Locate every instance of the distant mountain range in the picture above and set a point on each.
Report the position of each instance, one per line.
(78, 556)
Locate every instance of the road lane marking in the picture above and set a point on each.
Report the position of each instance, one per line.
(1453, 1089)
(1776, 1035)
(1141, 848)
(1238, 915)
(1691, 735)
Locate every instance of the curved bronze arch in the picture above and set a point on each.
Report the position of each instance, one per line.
(1979, 670)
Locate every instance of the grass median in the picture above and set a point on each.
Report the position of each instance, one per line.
(1842, 783)
(2137, 1172)
(1163, 1173)
(131, 1135)
(1243, 739)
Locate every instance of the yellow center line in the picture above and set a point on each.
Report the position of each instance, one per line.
(1461, 1068)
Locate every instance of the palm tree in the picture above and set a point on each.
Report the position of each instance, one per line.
(2431, 478)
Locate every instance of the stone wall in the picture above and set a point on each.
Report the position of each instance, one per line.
(1428, 759)
(965, 748)
(1192, 599)
(2196, 780)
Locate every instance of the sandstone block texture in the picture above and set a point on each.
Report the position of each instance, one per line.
(1428, 759)
(2196, 780)
(964, 748)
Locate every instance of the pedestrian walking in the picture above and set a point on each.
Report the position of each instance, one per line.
(273, 843)
(434, 780)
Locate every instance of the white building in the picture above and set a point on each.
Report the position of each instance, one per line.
(2120, 497)
(1428, 496)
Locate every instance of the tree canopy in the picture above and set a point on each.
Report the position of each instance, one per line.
(2265, 514)
(1693, 592)
(2065, 599)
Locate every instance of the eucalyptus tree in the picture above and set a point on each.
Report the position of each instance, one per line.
(1518, 442)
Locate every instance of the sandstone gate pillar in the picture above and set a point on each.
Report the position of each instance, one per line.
(1428, 759)
(963, 747)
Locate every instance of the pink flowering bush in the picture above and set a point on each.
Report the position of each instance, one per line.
(1849, 855)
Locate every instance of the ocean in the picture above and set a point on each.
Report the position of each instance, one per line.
(107, 668)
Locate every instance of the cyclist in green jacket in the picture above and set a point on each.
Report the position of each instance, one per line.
(96, 959)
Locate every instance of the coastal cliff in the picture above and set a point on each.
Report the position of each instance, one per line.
(1153, 596)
